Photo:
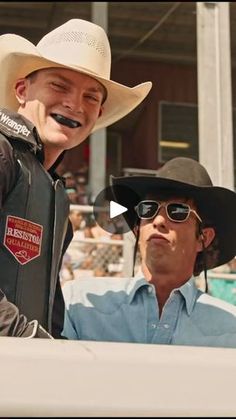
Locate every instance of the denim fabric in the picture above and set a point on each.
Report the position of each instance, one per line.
(126, 310)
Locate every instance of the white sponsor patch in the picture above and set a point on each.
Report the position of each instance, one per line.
(16, 127)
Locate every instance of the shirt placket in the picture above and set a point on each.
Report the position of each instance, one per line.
(164, 329)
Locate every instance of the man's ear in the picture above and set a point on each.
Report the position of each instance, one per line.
(20, 90)
(100, 111)
(135, 229)
(207, 236)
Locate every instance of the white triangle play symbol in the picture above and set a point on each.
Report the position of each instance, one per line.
(116, 209)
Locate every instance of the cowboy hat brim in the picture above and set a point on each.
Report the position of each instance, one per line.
(215, 203)
(19, 57)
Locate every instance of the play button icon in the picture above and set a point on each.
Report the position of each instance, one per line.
(116, 209)
(112, 208)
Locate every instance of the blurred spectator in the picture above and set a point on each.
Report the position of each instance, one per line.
(66, 272)
(77, 221)
(77, 187)
(82, 194)
(72, 195)
(76, 252)
(70, 180)
(82, 176)
(76, 249)
(99, 233)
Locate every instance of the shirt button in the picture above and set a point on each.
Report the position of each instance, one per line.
(166, 326)
(153, 326)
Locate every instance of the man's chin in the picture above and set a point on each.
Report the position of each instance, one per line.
(65, 138)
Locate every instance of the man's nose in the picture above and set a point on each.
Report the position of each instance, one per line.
(160, 217)
(74, 101)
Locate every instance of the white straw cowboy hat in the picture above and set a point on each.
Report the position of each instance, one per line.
(78, 45)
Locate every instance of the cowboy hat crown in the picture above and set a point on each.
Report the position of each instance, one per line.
(78, 45)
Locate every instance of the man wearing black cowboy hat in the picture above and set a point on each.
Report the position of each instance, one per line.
(52, 96)
(184, 225)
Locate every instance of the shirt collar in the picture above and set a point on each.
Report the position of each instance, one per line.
(139, 281)
(189, 291)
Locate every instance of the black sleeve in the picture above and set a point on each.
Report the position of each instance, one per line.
(12, 323)
(8, 167)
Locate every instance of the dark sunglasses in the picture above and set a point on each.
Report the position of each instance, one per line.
(175, 211)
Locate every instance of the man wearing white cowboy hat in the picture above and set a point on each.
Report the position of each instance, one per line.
(184, 226)
(52, 96)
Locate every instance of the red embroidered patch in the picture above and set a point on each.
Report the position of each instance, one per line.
(23, 239)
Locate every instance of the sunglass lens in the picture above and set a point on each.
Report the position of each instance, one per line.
(178, 212)
(147, 209)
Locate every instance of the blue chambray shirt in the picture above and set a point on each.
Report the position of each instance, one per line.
(126, 310)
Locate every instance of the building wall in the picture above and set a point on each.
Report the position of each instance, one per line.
(171, 82)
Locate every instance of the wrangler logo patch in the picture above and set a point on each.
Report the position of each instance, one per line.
(23, 239)
(16, 127)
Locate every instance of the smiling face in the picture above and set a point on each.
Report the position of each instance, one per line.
(63, 104)
(169, 247)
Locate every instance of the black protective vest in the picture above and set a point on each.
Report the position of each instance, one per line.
(33, 225)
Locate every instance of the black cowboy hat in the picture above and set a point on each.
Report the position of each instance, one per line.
(188, 178)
